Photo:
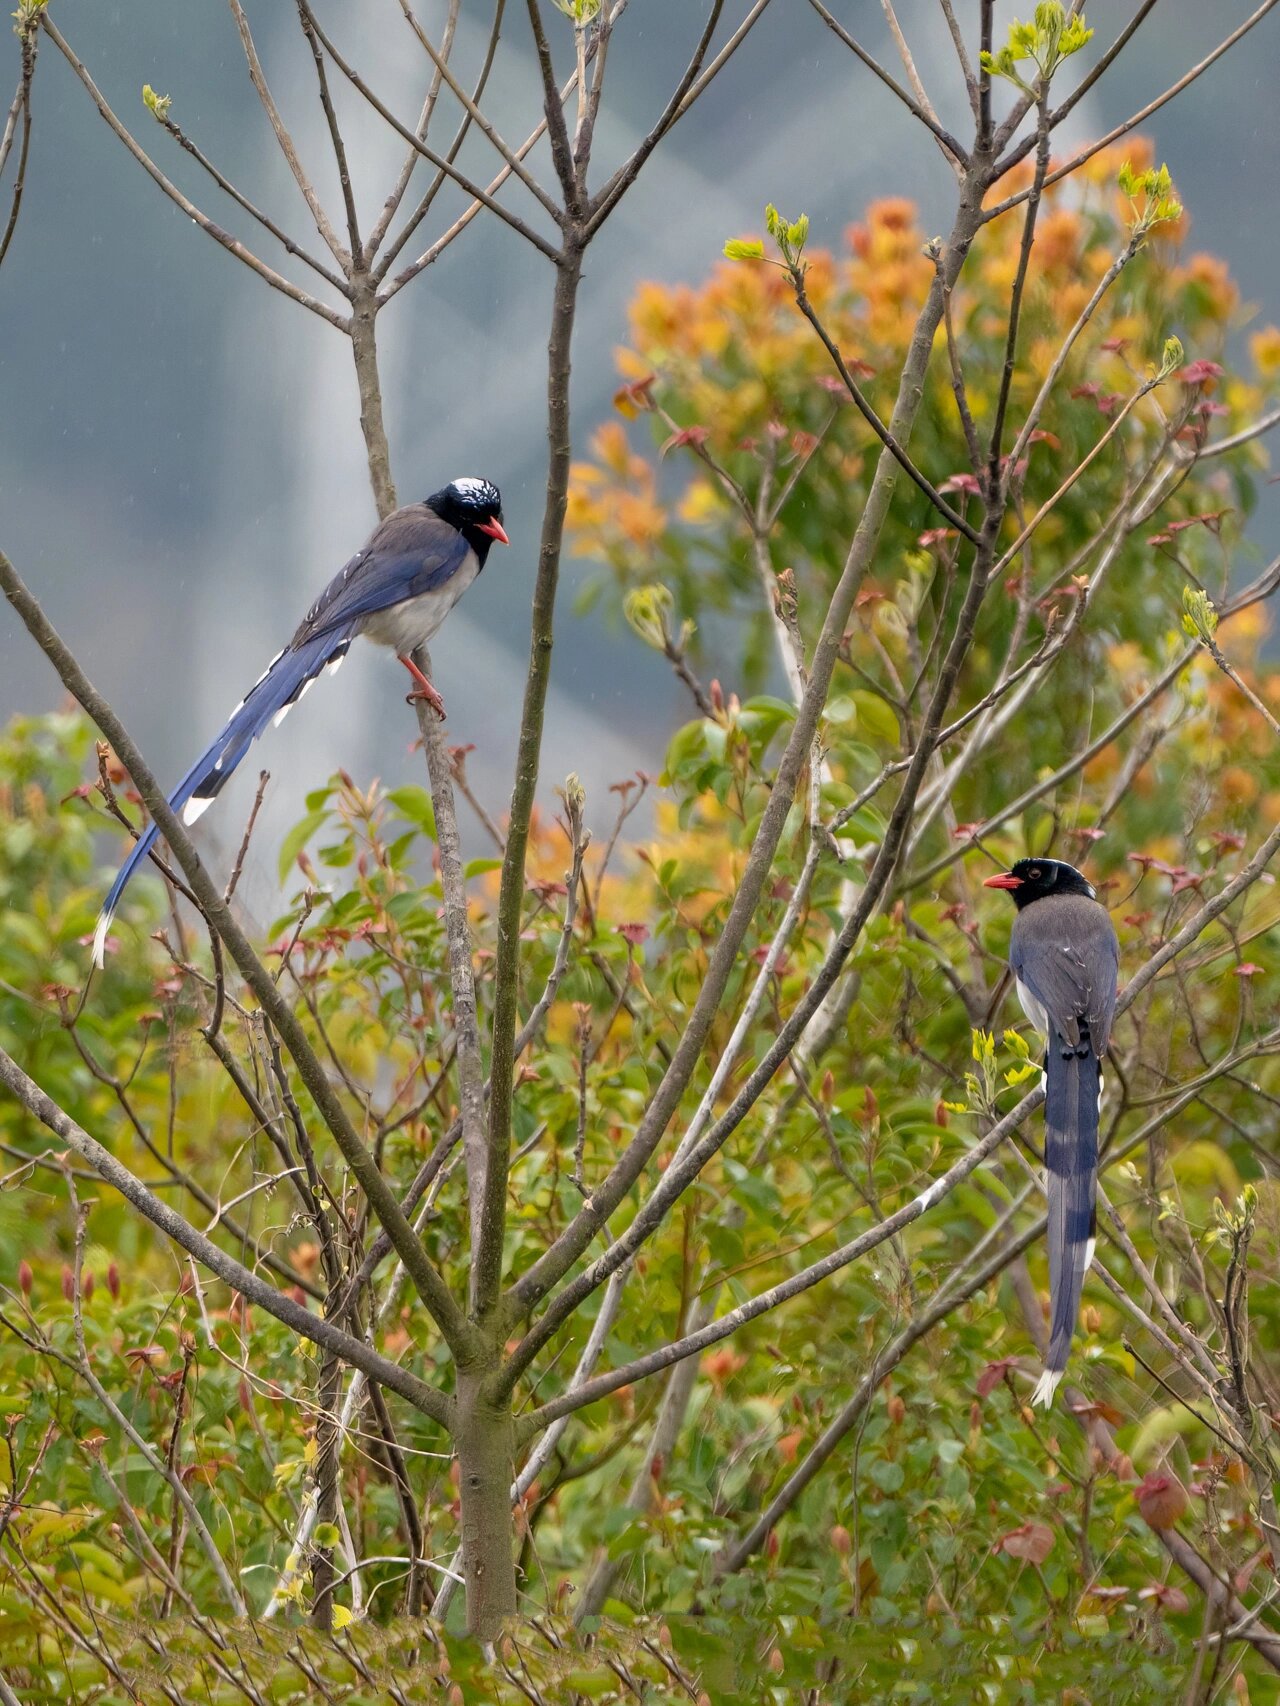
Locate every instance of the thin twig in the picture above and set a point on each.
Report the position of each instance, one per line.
(913, 106)
(231, 244)
(258, 78)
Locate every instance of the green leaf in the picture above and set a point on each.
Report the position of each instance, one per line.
(744, 249)
(414, 802)
(297, 839)
(326, 1534)
(876, 717)
(478, 867)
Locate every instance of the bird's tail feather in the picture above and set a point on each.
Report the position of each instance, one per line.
(1072, 1096)
(285, 680)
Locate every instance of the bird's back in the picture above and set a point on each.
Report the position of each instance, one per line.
(1064, 948)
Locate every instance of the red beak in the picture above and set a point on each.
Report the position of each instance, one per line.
(1006, 880)
(495, 530)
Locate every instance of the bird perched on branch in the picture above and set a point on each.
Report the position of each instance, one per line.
(397, 590)
(1064, 955)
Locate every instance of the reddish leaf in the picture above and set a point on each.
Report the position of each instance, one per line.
(1199, 372)
(145, 1356)
(637, 396)
(1166, 1598)
(695, 435)
(1162, 1500)
(993, 1374)
(1033, 1542)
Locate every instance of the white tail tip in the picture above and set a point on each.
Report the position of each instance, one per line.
(1046, 1386)
(100, 940)
(195, 809)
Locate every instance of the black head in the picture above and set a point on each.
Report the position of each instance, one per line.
(474, 507)
(1033, 879)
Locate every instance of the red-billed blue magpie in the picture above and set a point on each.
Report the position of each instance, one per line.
(397, 589)
(1064, 956)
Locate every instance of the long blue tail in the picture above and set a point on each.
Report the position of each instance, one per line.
(1072, 1095)
(284, 682)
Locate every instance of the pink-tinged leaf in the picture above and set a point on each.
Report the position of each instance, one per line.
(635, 398)
(966, 831)
(1167, 1599)
(1168, 870)
(804, 443)
(1099, 1411)
(1033, 1542)
(145, 1355)
(1228, 840)
(634, 933)
(1162, 1500)
(935, 536)
(694, 435)
(1106, 402)
(1210, 518)
(961, 483)
(1039, 436)
(1199, 372)
(1209, 410)
(1187, 880)
(1114, 346)
(1087, 833)
(993, 1374)
(1247, 969)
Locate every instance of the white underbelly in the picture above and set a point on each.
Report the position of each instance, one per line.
(413, 623)
(1032, 1008)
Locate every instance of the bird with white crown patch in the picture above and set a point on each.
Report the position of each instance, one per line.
(396, 590)
(1064, 956)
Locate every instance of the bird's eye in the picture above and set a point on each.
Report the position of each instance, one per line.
(1035, 874)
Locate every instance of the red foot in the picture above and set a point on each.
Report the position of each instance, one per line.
(424, 691)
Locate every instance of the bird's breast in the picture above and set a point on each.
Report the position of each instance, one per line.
(413, 621)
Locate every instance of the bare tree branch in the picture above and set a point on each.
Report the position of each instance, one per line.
(302, 1321)
(438, 160)
(913, 106)
(258, 78)
(223, 238)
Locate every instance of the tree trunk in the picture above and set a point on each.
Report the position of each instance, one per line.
(485, 1444)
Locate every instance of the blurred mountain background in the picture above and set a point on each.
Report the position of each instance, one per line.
(181, 463)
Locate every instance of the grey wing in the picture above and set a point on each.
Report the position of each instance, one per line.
(1068, 959)
(412, 552)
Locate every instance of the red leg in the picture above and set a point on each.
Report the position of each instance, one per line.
(423, 689)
